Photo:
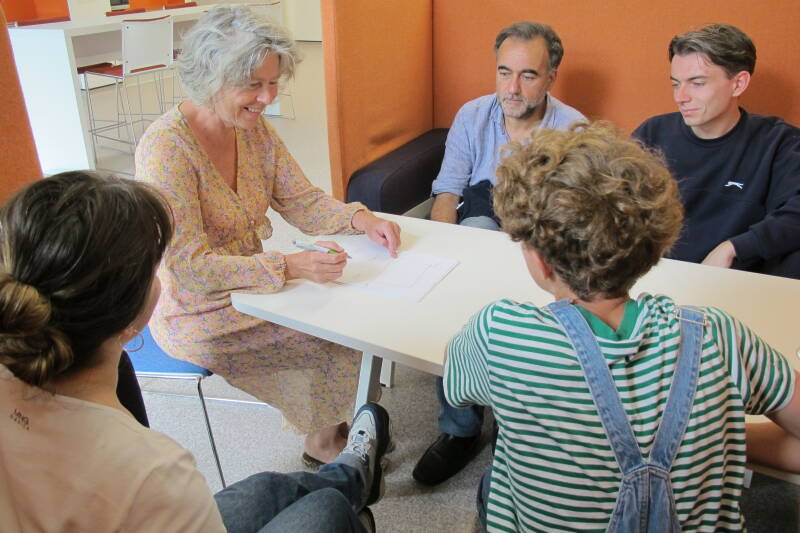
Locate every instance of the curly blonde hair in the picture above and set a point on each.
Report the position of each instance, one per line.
(600, 209)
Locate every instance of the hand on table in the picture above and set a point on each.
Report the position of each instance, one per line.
(379, 230)
(316, 266)
(721, 256)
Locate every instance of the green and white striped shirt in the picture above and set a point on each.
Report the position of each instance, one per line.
(553, 468)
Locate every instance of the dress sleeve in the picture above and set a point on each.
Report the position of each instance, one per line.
(174, 496)
(303, 205)
(763, 376)
(466, 372)
(165, 159)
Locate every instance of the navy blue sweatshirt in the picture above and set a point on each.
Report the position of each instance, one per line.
(743, 187)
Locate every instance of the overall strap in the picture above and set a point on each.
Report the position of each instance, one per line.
(677, 411)
(675, 416)
(601, 385)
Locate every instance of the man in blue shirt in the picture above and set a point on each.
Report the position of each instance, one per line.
(528, 55)
(738, 172)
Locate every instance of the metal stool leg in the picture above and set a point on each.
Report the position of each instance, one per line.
(210, 434)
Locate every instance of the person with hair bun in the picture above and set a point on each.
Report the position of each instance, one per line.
(78, 260)
(221, 166)
(580, 387)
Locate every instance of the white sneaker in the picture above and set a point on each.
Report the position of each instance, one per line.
(369, 438)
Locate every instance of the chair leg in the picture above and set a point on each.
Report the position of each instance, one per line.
(210, 434)
(90, 112)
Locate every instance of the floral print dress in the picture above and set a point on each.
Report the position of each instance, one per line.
(217, 250)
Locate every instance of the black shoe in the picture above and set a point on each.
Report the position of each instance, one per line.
(445, 458)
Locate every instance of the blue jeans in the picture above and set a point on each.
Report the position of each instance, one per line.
(480, 222)
(327, 501)
(458, 421)
(483, 495)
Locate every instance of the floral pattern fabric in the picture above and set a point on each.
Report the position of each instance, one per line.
(217, 250)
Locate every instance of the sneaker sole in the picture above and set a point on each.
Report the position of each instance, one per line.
(378, 484)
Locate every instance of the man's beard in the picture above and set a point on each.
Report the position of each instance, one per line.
(520, 112)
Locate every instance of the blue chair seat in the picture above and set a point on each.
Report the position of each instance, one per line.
(150, 361)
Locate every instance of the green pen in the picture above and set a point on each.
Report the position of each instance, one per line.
(316, 248)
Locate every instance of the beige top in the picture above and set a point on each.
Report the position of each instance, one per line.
(69, 465)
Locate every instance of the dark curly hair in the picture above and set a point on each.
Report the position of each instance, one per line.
(600, 209)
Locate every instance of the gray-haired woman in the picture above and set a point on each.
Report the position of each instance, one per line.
(221, 166)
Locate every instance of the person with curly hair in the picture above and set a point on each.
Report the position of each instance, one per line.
(585, 388)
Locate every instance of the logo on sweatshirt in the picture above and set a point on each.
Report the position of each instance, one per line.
(735, 184)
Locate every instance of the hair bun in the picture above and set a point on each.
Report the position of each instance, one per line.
(23, 309)
(29, 347)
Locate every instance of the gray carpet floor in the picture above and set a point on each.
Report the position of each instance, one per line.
(250, 439)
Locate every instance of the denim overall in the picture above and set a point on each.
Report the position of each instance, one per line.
(645, 502)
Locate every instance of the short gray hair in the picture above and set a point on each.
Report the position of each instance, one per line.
(725, 45)
(224, 48)
(527, 31)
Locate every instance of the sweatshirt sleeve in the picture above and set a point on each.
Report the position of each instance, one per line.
(778, 233)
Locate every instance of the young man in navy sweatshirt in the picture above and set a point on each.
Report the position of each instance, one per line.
(738, 173)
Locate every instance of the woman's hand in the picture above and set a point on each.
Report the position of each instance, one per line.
(379, 230)
(320, 267)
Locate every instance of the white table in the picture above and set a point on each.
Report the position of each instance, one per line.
(47, 57)
(491, 267)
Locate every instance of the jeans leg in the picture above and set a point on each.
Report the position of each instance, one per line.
(322, 511)
(458, 421)
(480, 222)
(483, 496)
(252, 503)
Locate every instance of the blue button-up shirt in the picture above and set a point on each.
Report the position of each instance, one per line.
(472, 151)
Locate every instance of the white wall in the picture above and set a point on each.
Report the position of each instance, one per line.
(302, 17)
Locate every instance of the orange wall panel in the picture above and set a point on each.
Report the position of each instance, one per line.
(615, 63)
(19, 162)
(18, 9)
(49, 9)
(34, 9)
(149, 5)
(378, 77)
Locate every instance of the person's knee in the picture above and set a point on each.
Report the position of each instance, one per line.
(482, 222)
(332, 507)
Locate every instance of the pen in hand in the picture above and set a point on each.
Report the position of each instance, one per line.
(317, 248)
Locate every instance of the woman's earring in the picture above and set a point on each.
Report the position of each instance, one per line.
(141, 344)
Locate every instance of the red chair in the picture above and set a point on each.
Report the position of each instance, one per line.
(178, 6)
(124, 12)
(31, 22)
(146, 47)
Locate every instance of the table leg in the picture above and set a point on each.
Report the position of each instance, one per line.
(387, 374)
(368, 379)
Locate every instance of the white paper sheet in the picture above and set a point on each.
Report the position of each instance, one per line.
(409, 277)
